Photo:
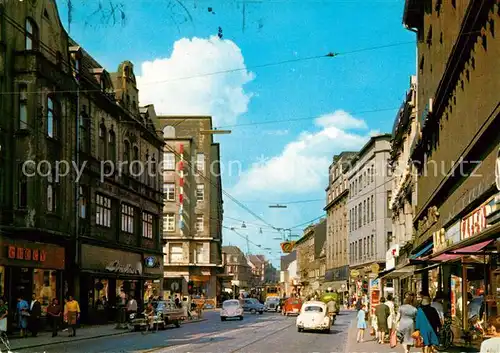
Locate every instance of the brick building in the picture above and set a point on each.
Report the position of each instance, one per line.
(456, 150)
(66, 108)
(192, 214)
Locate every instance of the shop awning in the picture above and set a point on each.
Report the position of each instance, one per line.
(467, 250)
(422, 251)
(397, 272)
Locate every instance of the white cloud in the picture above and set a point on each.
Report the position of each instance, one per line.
(164, 82)
(302, 166)
(282, 132)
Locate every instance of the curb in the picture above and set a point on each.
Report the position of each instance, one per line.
(81, 338)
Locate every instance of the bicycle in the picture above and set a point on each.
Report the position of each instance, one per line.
(445, 335)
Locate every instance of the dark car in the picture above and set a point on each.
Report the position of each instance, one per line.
(252, 305)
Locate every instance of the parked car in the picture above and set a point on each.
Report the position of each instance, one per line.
(314, 316)
(231, 309)
(252, 305)
(272, 304)
(165, 314)
(292, 306)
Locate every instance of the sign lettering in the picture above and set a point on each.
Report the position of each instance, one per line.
(117, 267)
(474, 223)
(26, 254)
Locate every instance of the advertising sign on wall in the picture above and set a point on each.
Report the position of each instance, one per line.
(287, 246)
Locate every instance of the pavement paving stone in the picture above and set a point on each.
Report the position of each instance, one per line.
(88, 332)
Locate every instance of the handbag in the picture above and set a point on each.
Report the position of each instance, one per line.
(419, 342)
(415, 334)
(393, 340)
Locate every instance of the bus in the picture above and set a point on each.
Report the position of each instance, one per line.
(272, 290)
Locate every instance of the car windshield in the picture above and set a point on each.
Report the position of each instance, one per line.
(254, 301)
(313, 308)
(230, 304)
(273, 299)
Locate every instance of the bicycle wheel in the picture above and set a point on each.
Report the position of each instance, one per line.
(446, 340)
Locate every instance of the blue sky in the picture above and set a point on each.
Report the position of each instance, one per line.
(270, 31)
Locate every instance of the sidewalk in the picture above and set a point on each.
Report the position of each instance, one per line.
(89, 332)
(370, 345)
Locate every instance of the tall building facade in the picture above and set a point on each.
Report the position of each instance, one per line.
(457, 147)
(93, 229)
(236, 268)
(337, 234)
(192, 214)
(370, 218)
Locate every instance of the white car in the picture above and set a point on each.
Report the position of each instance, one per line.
(231, 309)
(314, 316)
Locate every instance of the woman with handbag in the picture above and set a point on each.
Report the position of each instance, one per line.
(23, 313)
(406, 318)
(428, 324)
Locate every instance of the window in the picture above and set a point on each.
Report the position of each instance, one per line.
(147, 225)
(84, 131)
(102, 142)
(22, 189)
(368, 210)
(199, 256)
(389, 240)
(200, 192)
(127, 219)
(169, 222)
(355, 221)
(82, 202)
(31, 42)
(372, 244)
(373, 174)
(136, 161)
(200, 162)
(23, 107)
(112, 145)
(126, 155)
(176, 254)
(51, 118)
(169, 132)
(364, 212)
(199, 224)
(51, 199)
(103, 211)
(360, 215)
(373, 208)
(169, 191)
(360, 249)
(169, 160)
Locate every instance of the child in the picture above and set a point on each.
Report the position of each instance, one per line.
(361, 323)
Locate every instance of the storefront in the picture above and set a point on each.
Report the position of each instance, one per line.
(28, 268)
(108, 276)
(337, 279)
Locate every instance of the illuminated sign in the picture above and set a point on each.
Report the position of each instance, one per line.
(21, 253)
(287, 246)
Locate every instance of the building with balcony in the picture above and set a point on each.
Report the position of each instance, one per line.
(370, 218)
(192, 213)
(457, 147)
(337, 235)
(93, 229)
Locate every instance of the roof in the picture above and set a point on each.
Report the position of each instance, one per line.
(314, 302)
(256, 260)
(231, 249)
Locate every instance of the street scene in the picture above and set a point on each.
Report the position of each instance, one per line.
(261, 176)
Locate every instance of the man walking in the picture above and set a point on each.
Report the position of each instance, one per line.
(35, 315)
(54, 312)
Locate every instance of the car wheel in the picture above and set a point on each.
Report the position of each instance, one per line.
(261, 312)
(222, 319)
(253, 311)
(299, 329)
(241, 318)
(177, 323)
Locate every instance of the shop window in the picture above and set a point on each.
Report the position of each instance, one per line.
(23, 107)
(176, 253)
(169, 222)
(45, 287)
(100, 294)
(127, 219)
(103, 211)
(147, 225)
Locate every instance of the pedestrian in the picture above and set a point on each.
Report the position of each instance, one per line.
(437, 304)
(382, 313)
(131, 306)
(392, 315)
(428, 324)
(22, 315)
(361, 324)
(4, 313)
(54, 312)
(406, 323)
(35, 315)
(72, 314)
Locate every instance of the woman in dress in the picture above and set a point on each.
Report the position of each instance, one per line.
(429, 324)
(361, 324)
(22, 315)
(406, 318)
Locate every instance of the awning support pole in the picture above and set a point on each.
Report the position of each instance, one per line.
(465, 310)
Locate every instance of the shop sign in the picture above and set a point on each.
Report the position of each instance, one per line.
(151, 262)
(287, 246)
(21, 253)
(390, 257)
(439, 241)
(474, 223)
(375, 268)
(116, 267)
(428, 221)
(354, 273)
